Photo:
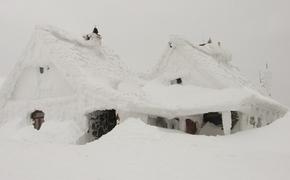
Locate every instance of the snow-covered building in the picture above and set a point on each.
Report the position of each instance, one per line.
(200, 92)
(193, 88)
(63, 78)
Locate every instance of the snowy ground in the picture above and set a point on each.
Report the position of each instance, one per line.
(134, 150)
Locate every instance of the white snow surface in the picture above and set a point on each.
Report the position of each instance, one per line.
(134, 150)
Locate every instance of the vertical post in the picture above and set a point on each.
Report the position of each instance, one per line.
(227, 122)
(182, 124)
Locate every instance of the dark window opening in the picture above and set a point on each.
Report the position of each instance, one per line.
(216, 118)
(41, 70)
(37, 119)
(213, 117)
(191, 127)
(161, 122)
(179, 81)
(235, 118)
(259, 123)
(176, 81)
(252, 121)
(101, 122)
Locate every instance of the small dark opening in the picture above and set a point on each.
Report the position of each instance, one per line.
(37, 119)
(213, 117)
(191, 127)
(101, 122)
(235, 118)
(216, 118)
(41, 70)
(176, 81)
(179, 81)
(161, 122)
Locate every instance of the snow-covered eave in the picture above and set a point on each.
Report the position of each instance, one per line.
(266, 102)
(180, 112)
(242, 100)
(183, 111)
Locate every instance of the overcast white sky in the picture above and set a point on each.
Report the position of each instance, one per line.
(255, 31)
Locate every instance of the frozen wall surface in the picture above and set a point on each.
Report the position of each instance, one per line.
(41, 82)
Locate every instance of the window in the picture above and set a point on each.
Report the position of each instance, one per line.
(252, 121)
(37, 119)
(41, 70)
(176, 81)
(259, 123)
(214, 118)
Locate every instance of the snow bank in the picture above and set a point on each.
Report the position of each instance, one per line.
(56, 132)
(134, 150)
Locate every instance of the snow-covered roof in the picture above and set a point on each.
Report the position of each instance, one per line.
(197, 65)
(85, 59)
(86, 65)
(209, 82)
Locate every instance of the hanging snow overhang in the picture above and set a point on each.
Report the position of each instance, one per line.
(179, 101)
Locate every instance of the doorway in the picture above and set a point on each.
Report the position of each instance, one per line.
(101, 122)
(191, 127)
(213, 117)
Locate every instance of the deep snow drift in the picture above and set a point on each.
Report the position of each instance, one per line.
(134, 150)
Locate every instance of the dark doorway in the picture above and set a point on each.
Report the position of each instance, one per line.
(161, 122)
(37, 119)
(101, 122)
(213, 117)
(190, 126)
(235, 118)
